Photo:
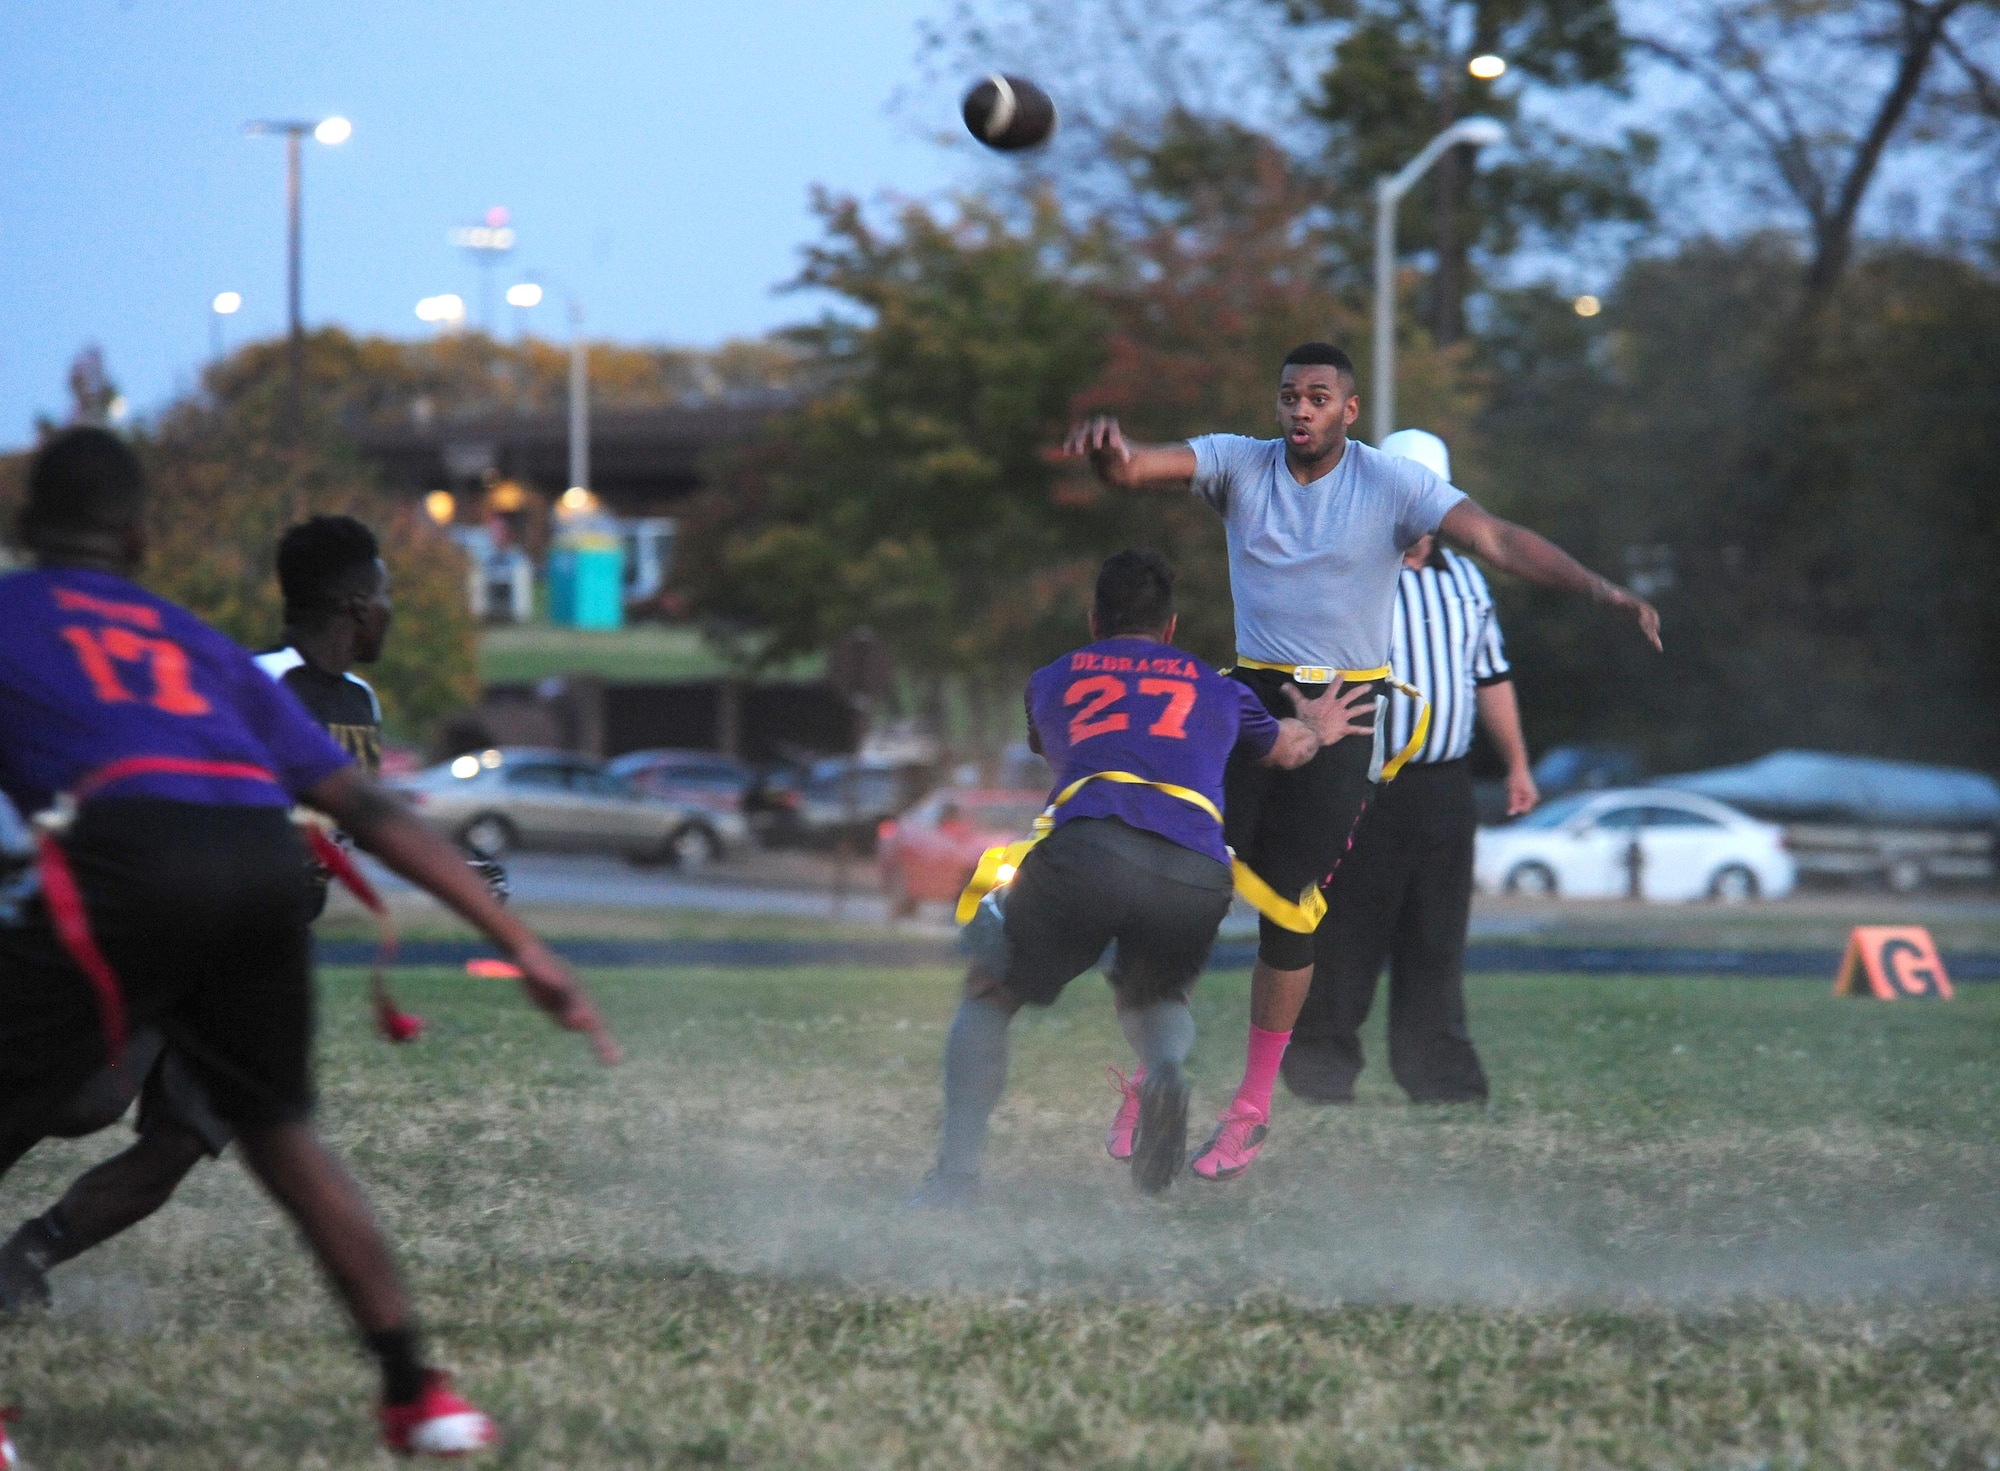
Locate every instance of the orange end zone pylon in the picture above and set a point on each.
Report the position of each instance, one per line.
(1892, 962)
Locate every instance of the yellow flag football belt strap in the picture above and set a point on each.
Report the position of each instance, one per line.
(997, 866)
(1325, 674)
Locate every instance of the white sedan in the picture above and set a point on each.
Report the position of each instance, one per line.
(1686, 847)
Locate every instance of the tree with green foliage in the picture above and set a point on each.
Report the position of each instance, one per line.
(913, 495)
(1827, 532)
(1398, 76)
(227, 479)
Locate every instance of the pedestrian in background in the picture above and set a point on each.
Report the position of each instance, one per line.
(1404, 891)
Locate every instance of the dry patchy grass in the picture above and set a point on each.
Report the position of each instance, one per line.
(1706, 1224)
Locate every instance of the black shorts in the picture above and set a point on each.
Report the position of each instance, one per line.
(1095, 880)
(199, 911)
(170, 1098)
(1292, 827)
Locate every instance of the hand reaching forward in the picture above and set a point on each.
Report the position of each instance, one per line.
(1101, 439)
(1335, 715)
(551, 986)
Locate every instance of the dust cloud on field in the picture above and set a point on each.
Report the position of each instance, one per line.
(1369, 1204)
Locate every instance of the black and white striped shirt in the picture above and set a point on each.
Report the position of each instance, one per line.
(1446, 642)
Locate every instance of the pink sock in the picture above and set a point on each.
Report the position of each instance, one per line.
(1260, 1069)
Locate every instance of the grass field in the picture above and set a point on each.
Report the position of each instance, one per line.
(646, 651)
(1705, 1224)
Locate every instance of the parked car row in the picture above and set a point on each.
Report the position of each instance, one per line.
(1658, 842)
(494, 801)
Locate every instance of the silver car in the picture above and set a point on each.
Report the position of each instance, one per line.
(522, 797)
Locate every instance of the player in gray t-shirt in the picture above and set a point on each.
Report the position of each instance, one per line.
(1317, 527)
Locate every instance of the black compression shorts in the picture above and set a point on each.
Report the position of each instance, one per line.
(1095, 880)
(1292, 827)
(199, 911)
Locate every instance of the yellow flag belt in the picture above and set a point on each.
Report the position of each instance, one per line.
(1322, 674)
(997, 866)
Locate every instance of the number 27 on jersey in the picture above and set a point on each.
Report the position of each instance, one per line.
(1100, 695)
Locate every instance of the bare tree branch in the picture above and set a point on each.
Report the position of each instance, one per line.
(1922, 25)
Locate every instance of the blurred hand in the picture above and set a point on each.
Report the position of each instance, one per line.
(1104, 443)
(1334, 715)
(1522, 793)
(1641, 611)
(550, 984)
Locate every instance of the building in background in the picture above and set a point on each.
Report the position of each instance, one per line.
(498, 482)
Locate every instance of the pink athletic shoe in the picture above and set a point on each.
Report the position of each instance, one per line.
(9, 1457)
(1118, 1138)
(1239, 1135)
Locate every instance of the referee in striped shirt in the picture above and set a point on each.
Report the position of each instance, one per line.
(1404, 892)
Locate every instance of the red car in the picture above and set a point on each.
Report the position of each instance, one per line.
(930, 851)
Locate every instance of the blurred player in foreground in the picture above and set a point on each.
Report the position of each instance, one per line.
(1316, 527)
(1137, 734)
(337, 615)
(160, 763)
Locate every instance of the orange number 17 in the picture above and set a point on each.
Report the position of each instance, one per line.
(101, 651)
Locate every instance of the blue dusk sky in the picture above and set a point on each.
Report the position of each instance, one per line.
(656, 158)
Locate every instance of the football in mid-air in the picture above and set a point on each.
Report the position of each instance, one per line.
(1009, 113)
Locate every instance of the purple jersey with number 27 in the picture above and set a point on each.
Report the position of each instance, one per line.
(1135, 705)
(94, 669)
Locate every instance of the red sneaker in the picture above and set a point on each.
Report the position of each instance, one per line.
(1118, 1138)
(10, 1459)
(439, 1422)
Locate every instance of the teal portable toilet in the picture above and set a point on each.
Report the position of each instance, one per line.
(587, 575)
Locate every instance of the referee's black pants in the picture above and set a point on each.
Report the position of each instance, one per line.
(1404, 895)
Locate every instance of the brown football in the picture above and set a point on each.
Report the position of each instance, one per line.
(1009, 113)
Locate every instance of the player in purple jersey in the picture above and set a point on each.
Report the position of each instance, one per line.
(1138, 734)
(338, 614)
(161, 764)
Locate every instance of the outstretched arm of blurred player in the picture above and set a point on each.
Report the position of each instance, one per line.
(1129, 466)
(1515, 549)
(384, 827)
(1320, 722)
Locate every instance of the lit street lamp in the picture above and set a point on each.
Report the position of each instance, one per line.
(331, 131)
(226, 304)
(1479, 132)
(526, 294)
(487, 243)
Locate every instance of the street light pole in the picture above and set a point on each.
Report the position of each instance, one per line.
(295, 336)
(330, 131)
(579, 400)
(1479, 132)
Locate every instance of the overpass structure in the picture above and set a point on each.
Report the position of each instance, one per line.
(642, 461)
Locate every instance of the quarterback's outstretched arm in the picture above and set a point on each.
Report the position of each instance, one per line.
(1129, 466)
(1470, 527)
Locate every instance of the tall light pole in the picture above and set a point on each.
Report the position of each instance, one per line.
(579, 400)
(1480, 132)
(330, 131)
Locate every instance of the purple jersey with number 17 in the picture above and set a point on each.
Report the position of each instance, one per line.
(1136, 705)
(95, 669)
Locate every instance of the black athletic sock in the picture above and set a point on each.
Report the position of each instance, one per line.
(398, 1351)
(47, 1240)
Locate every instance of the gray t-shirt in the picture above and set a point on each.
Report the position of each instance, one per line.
(1313, 568)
